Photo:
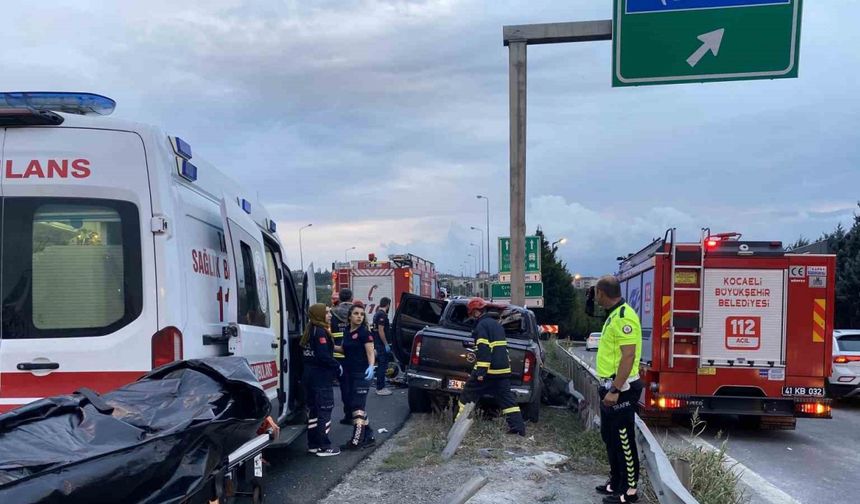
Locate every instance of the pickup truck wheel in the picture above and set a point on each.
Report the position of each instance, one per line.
(419, 401)
(531, 410)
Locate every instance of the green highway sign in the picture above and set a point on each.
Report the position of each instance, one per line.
(532, 255)
(503, 290)
(677, 41)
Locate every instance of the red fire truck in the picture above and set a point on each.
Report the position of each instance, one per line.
(733, 327)
(371, 280)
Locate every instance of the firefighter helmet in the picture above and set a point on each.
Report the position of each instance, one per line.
(476, 303)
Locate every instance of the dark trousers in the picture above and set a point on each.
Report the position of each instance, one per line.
(618, 430)
(381, 365)
(500, 389)
(343, 381)
(320, 402)
(358, 388)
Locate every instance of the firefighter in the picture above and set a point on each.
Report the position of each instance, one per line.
(359, 365)
(340, 320)
(320, 368)
(618, 354)
(492, 371)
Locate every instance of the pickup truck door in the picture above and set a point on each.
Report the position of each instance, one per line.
(413, 314)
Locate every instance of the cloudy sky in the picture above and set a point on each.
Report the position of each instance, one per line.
(380, 120)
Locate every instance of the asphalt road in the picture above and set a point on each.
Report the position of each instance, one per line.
(294, 477)
(816, 463)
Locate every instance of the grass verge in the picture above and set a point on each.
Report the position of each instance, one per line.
(714, 480)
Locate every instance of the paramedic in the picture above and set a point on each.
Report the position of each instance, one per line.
(381, 335)
(359, 366)
(320, 368)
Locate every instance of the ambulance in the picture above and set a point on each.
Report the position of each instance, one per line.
(123, 250)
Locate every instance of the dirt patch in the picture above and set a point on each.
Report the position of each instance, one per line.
(557, 462)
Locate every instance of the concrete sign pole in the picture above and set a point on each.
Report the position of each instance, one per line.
(517, 38)
(517, 81)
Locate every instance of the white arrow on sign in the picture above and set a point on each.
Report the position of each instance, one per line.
(711, 41)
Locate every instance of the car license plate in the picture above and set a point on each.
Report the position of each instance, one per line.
(258, 466)
(803, 391)
(456, 384)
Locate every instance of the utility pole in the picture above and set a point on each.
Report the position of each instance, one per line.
(518, 38)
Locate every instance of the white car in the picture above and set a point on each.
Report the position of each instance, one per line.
(592, 341)
(844, 381)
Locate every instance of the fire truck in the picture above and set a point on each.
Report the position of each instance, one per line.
(732, 327)
(372, 280)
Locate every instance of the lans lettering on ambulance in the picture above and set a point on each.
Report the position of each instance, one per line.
(50, 168)
(124, 251)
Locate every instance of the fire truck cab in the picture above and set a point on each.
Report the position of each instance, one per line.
(732, 327)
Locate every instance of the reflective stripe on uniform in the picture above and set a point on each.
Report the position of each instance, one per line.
(337, 339)
(482, 341)
(482, 364)
(513, 409)
(500, 371)
(498, 344)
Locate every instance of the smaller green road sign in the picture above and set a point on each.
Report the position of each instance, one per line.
(676, 41)
(503, 290)
(532, 254)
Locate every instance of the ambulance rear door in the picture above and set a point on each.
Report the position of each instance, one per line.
(78, 274)
(249, 310)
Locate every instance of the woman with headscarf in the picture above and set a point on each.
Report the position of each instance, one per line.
(320, 370)
(359, 366)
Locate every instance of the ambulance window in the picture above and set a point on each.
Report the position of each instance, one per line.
(71, 267)
(253, 294)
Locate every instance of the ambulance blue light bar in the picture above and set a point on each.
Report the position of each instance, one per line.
(69, 103)
(246, 206)
(188, 171)
(181, 147)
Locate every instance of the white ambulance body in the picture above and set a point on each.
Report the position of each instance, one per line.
(122, 250)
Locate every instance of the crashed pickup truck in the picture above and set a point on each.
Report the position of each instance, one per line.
(433, 340)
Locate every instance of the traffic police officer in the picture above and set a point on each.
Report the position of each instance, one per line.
(618, 356)
(492, 372)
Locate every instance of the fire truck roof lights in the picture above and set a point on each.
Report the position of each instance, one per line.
(69, 103)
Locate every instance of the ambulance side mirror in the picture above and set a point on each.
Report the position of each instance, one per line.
(589, 301)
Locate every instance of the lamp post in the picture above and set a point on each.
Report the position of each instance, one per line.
(481, 234)
(480, 264)
(344, 254)
(301, 253)
(488, 230)
(556, 243)
(475, 259)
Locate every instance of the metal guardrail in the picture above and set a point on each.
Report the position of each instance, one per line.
(662, 476)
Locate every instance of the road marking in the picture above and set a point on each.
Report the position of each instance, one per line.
(762, 488)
